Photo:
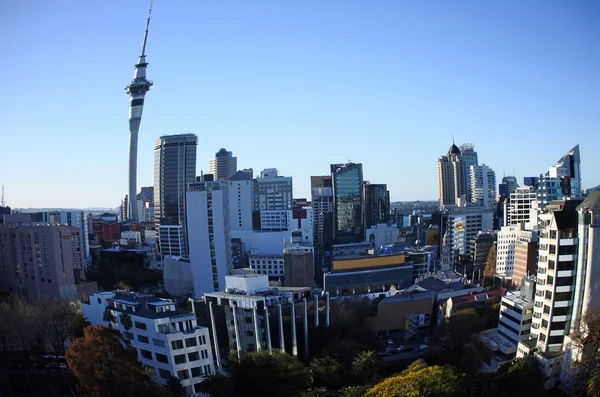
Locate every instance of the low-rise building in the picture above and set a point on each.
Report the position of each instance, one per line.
(166, 338)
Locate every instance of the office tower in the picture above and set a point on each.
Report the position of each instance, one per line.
(452, 177)
(376, 204)
(469, 157)
(505, 257)
(241, 200)
(511, 184)
(272, 191)
(347, 181)
(172, 241)
(479, 249)
(209, 235)
(123, 208)
(525, 257)
(522, 206)
(298, 262)
(167, 338)
(40, 259)
(322, 204)
(137, 91)
(223, 165)
(174, 168)
(567, 169)
(483, 185)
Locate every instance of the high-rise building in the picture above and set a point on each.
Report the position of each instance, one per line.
(79, 219)
(223, 165)
(452, 177)
(137, 91)
(469, 157)
(483, 185)
(505, 257)
(522, 206)
(241, 200)
(41, 259)
(322, 204)
(562, 179)
(174, 168)
(298, 262)
(464, 223)
(347, 181)
(511, 184)
(172, 241)
(376, 204)
(525, 258)
(209, 235)
(272, 191)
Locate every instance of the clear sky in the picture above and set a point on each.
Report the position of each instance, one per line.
(295, 85)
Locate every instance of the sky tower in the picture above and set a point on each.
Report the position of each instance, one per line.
(137, 91)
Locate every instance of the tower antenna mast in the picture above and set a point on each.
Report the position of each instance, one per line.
(2, 202)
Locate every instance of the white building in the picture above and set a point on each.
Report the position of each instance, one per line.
(505, 258)
(241, 200)
(522, 207)
(209, 235)
(166, 339)
(465, 221)
(171, 239)
(382, 234)
(483, 185)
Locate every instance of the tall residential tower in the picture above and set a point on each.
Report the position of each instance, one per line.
(137, 91)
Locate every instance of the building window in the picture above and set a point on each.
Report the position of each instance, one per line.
(180, 359)
(189, 342)
(193, 356)
(143, 339)
(164, 373)
(196, 371)
(548, 295)
(139, 325)
(161, 358)
(177, 344)
(202, 339)
(183, 374)
(158, 342)
(552, 249)
(146, 354)
(544, 324)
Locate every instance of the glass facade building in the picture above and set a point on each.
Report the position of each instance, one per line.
(174, 168)
(347, 181)
(376, 200)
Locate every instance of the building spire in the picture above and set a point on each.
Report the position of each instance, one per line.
(147, 26)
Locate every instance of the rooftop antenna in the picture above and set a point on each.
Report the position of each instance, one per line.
(147, 26)
(453, 138)
(2, 202)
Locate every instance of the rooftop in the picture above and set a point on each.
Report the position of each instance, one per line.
(145, 305)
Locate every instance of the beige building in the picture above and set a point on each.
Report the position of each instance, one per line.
(38, 259)
(395, 313)
(525, 259)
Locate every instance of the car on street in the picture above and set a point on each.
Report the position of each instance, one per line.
(384, 354)
(424, 346)
(390, 342)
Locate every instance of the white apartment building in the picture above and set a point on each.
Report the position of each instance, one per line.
(522, 207)
(483, 185)
(465, 221)
(505, 257)
(166, 338)
(382, 234)
(209, 235)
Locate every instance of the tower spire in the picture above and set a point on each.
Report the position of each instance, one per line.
(147, 26)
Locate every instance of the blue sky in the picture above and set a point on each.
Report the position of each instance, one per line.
(295, 85)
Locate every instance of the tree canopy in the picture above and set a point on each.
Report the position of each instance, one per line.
(261, 374)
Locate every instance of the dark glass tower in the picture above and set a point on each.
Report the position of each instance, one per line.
(174, 168)
(347, 180)
(376, 201)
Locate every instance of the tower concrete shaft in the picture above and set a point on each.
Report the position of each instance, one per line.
(137, 91)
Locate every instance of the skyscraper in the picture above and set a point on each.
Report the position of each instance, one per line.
(223, 165)
(376, 204)
(322, 204)
(347, 181)
(567, 169)
(469, 157)
(174, 168)
(272, 191)
(483, 185)
(452, 177)
(137, 91)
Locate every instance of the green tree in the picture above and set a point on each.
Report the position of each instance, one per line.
(174, 387)
(108, 316)
(593, 385)
(103, 366)
(422, 382)
(352, 391)
(126, 321)
(326, 372)
(216, 385)
(365, 365)
(522, 374)
(262, 374)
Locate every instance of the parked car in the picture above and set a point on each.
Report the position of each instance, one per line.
(401, 348)
(424, 346)
(384, 354)
(390, 342)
